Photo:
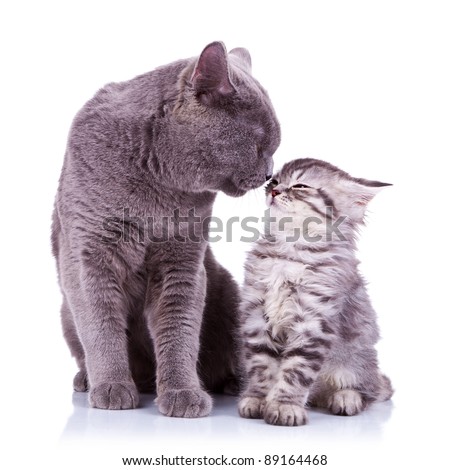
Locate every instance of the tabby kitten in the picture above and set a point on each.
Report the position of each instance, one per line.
(309, 329)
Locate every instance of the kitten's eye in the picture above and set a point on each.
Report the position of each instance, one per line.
(301, 186)
(270, 185)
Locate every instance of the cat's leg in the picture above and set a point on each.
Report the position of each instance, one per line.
(140, 351)
(80, 381)
(99, 308)
(175, 302)
(219, 367)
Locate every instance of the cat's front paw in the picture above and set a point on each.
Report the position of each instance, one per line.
(114, 396)
(251, 407)
(285, 414)
(80, 381)
(346, 403)
(184, 403)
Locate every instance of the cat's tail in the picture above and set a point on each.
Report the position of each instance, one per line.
(386, 391)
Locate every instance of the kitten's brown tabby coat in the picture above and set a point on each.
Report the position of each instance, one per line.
(308, 326)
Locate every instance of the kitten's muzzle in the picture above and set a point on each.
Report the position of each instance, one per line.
(275, 192)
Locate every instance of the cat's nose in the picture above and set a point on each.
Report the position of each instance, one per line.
(275, 192)
(268, 177)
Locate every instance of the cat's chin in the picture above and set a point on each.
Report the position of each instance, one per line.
(236, 192)
(231, 189)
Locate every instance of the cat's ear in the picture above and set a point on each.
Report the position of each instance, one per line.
(361, 192)
(244, 57)
(211, 77)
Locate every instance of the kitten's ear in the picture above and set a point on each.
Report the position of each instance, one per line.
(244, 57)
(211, 77)
(361, 192)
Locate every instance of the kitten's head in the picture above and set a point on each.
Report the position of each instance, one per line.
(228, 129)
(309, 189)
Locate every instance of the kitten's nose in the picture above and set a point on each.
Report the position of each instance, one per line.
(268, 177)
(275, 192)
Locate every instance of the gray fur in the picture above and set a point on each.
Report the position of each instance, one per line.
(308, 327)
(135, 311)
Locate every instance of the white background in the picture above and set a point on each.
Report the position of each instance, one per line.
(364, 85)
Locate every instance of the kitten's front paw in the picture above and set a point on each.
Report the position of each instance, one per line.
(185, 403)
(114, 396)
(285, 414)
(80, 381)
(345, 403)
(251, 407)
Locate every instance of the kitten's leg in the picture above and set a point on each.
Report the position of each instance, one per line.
(386, 390)
(346, 402)
(352, 398)
(345, 399)
(348, 387)
(261, 365)
(287, 398)
(80, 381)
(299, 368)
(260, 360)
(351, 380)
(174, 308)
(100, 310)
(356, 398)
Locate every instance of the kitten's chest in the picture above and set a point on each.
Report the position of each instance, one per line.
(275, 272)
(293, 290)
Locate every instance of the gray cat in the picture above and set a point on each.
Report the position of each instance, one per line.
(140, 309)
(308, 325)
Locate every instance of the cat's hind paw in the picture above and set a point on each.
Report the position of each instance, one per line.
(346, 403)
(285, 414)
(114, 396)
(184, 403)
(80, 381)
(251, 407)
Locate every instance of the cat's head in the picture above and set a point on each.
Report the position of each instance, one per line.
(310, 189)
(227, 126)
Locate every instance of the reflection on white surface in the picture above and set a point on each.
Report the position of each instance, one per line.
(146, 421)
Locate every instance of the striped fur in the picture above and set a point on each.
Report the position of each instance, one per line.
(308, 327)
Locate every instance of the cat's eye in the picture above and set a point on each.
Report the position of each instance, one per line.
(273, 182)
(301, 186)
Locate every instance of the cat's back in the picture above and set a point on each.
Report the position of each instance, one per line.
(131, 100)
(113, 129)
